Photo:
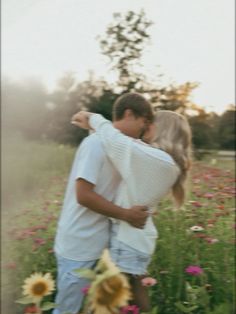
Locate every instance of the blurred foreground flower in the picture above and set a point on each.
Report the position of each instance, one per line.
(130, 309)
(32, 309)
(109, 290)
(34, 289)
(85, 290)
(194, 270)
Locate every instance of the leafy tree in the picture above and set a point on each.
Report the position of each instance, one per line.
(174, 98)
(226, 131)
(95, 95)
(124, 43)
(204, 127)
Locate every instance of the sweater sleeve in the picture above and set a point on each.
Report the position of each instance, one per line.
(117, 145)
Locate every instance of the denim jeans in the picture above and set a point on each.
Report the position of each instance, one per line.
(69, 296)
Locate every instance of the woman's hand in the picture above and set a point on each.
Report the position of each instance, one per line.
(81, 119)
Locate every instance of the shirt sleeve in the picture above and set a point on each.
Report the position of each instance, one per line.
(90, 160)
(117, 145)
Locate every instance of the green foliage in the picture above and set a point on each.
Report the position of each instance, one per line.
(86, 273)
(226, 130)
(223, 308)
(123, 44)
(24, 300)
(204, 128)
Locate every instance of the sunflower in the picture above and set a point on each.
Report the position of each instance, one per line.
(37, 286)
(105, 263)
(110, 290)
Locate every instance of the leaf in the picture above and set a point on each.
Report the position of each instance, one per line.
(192, 308)
(86, 273)
(154, 310)
(181, 307)
(48, 306)
(185, 309)
(25, 300)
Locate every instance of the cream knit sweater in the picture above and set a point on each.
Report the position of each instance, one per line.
(147, 174)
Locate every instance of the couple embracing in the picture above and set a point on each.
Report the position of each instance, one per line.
(120, 173)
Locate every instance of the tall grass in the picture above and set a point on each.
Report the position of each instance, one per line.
(28, 166)
(34, 178)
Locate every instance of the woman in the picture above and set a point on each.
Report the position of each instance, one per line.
(148, 173)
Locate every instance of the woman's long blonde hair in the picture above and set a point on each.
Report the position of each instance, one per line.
(174, 136)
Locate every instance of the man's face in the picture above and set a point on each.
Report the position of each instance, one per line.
(150, 133)
(132, 125)
(138, 126)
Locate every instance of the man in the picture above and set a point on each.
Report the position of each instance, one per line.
(83, 228)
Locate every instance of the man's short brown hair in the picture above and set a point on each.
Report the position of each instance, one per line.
(139, 105)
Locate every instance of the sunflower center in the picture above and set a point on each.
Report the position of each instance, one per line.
(39, 288)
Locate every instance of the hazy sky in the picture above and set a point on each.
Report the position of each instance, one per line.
(191, 40)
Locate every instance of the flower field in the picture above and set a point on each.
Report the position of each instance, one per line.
(193, 264)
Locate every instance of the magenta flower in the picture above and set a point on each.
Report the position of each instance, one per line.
(208, 195)
(194, 270)
(39, 241)
(211, 240)
(195, 203)
(130, 309)
(85, 290)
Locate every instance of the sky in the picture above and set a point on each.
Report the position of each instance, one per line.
(191, 40)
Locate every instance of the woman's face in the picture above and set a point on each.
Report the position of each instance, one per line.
(150, 133)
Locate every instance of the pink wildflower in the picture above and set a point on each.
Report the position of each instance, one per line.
(200, 235)
(211, 221)
(208, 195)
(148, 281)
(11, 265)
(130, 309)
(85, 290)
(211, 240)
(210, 225)
(195, 203)
(31, 309)
(194, 270)
(39, 227)
(39, 241)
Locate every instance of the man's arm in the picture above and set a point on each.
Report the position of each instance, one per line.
(86, 196)
(118, 146)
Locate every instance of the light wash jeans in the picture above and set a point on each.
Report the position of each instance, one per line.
(69, 296)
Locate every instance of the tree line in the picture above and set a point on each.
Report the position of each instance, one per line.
(30, 109)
